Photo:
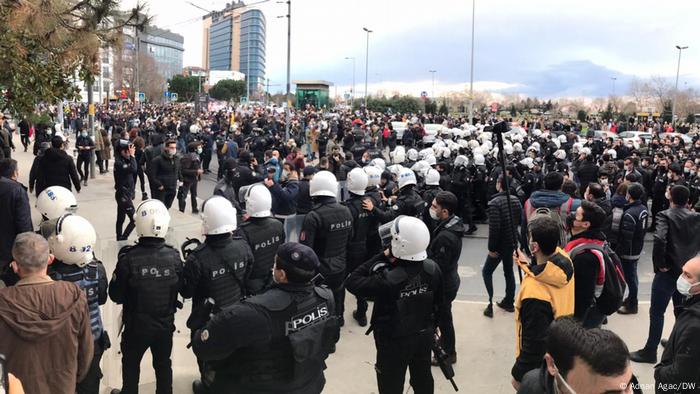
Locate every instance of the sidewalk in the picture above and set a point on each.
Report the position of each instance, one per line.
(485, 347)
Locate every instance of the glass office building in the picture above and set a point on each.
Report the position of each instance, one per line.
(252, 49)
(166, 48)
(221, 44)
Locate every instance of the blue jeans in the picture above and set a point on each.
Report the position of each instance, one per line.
(663, 289)
(632, 279)
(487, 273)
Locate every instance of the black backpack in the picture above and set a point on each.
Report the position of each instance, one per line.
(610, 294)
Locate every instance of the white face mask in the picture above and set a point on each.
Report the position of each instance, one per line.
(604, 182)
(433, 214)
(684, 286)
(569, 389)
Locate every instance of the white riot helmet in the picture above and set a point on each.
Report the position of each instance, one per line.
(517, 147)
(409, 238)
(576, 147)
(421, 167)
(528, 162)
(562, 139)
(257, 200)
(218, 216)
(398, 156)
(406, 177)
(586, 151)
(461, 161)
(509, 149)
(395, 169)
(431, 160)
(479, 160)
(194, 129)
(374, 176)
(357, 181)
(536, 133)
(323, 184)
(560, 154)
(432, 177)
(425, 153)
(72, 240)
(473, 144)
(152, 219)
(56, 201)
(412, 154)
(379, 163)
(612, 153)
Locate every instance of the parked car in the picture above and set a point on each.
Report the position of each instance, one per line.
(399, 127)
(686, 139)
(635, 137)
(431, 132)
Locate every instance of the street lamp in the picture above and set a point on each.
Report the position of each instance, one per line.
(433, 76)
(352, 100)
(675, 93)
(613, 85)
(471, 73)
(366, 63)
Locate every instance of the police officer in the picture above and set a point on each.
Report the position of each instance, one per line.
(408, 298)
(190, 170)
(84, 145)
(408, 202)
(146, 281)
(216, 271)
(263, 233)
(55, 201)
(150, 153)
(275, 342)
(72, 242)
(244, 172)
(430, 190)
(125, 169)
(327, 230)
(361, 221)
(374, 243)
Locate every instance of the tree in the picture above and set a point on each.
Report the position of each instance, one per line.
(581, 115)
(185, 87)
(151, 81)
(513, 112)
(227, 90)
(443, 109)
(43, 44)
(430, 106)
(660, 89)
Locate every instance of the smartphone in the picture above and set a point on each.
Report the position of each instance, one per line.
(4, 384)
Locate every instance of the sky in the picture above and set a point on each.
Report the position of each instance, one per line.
(542, 48)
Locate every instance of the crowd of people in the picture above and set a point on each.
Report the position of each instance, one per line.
(373, 204)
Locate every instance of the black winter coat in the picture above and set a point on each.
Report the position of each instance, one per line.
(16, 216)
(587, 173)
(444, 249)
(500, 229)
(165, 171)
(680, 362)
(56, 168)
(677, 239)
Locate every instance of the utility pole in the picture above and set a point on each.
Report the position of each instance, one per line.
(288, 119)
(247, 72)
(352, 92)
(432, 72)
(137, 86)
(675, 92)
(613, 85)
(366, 63)
(471, 72)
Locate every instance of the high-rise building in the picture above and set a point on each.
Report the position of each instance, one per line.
(165, 47)
(234, 40)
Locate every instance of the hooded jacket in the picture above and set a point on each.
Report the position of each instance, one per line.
(546, 293)
(45, 334)
(57, 169)
(445, 249)
(680, 362)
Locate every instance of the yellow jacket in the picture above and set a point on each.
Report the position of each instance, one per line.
(546, 293)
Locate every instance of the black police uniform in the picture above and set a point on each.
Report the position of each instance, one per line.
(125, 186)
(264, 236)
(659, 202)
(84, 156)
(408, 202)
(429, 194)
(408, 300)
(190, 164)
(374, 243)
(92, 278)
(275, 342)
(327, 230)
(215, 276)
(357, 252)
(146, 281)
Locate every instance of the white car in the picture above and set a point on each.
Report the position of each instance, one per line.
(686, 139)
(431, 132)
(399, 128)
(635, 137)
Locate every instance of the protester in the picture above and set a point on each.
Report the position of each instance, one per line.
(14, 209)
(56, 168)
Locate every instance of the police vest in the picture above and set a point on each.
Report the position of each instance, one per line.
(304, 330)
(361, 222)
(413, 311)
(88, 279)
(332, 236)
(224, 270)
(409, 203)
(153, 280)
(264, 236)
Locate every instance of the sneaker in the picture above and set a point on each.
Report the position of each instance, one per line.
(360, 318)
(488, 312)
(628, 310)
(471, 231)
(644, 356)
(144, 196)
(506, 307)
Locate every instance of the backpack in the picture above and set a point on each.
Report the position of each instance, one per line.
(559, 214)
(611, 285)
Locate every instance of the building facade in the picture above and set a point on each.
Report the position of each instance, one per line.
(234, 40)
(165, 47)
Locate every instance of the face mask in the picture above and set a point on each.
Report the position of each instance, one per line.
(433, 214)
(285, 174)
(172, 152)
(604, 182)
(84, 134)
(684, 286)
(199, 151)
(563, 382)
(628, 168)
(686, 170)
